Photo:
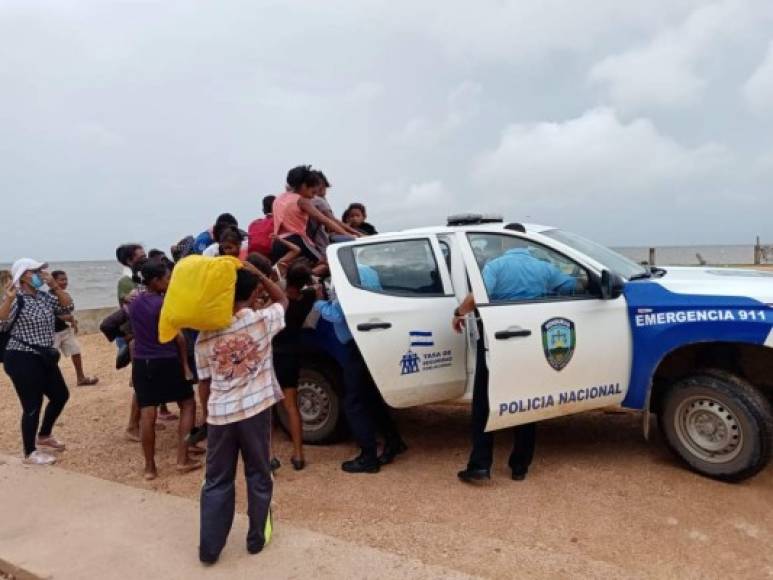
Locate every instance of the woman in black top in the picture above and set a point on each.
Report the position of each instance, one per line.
(28, 315)
(288, 351)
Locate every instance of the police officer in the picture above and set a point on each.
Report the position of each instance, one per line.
(365, 409)
(514, 275)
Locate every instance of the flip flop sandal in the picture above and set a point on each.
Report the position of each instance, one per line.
(167, 417)
(131, 437)
(193, 449)
(188, 467)
(88, 381)
(51, 443)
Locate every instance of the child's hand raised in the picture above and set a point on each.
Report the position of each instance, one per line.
(10, 291)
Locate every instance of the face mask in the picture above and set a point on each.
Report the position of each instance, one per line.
(36, 281)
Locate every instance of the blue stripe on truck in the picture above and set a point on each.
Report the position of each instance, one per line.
(662, 321)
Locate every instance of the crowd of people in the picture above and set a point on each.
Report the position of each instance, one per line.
(240, 371)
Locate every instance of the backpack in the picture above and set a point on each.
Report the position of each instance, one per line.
(259, 236)
(5, 335)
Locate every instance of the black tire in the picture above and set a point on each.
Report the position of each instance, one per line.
(320, 402)
(719, 424)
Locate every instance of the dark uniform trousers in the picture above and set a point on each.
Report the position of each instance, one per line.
(524, 436)
(252, 438)
(365, 409)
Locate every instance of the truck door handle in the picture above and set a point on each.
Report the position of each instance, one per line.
(511, 333)
(367, 326)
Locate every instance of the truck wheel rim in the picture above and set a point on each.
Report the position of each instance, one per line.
(313, 404)
(708, 429)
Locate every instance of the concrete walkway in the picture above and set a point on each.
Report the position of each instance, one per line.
(58, 524)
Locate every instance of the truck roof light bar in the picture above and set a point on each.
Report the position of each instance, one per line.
(471, 219)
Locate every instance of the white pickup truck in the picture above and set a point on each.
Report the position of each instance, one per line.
(692, 345)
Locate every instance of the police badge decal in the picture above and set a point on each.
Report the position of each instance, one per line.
(558, 341)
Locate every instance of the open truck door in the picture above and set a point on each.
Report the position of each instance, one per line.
(550, 355)
(397, 296)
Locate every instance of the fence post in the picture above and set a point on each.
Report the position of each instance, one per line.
(652, 257)
(757, 252)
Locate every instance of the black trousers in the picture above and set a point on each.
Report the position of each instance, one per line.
(251, 438)
(524, 436)
(365, 409)
(34, 378)
(278, 249)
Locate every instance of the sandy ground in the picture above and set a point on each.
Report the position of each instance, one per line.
(600, 502)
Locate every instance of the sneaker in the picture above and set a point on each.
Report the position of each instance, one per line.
(39, 458)
(51, 442)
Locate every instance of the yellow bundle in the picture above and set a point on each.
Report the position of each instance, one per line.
(200, 295)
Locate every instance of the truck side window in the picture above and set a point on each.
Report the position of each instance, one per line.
(399, 268)
(519, 270)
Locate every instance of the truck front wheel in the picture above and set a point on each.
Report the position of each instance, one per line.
(719, 424)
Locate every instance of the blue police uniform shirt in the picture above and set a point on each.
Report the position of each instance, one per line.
(369, 278)
(331, 310)
(202, 242)
(517, 275)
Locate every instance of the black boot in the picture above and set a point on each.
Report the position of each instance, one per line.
(471, 475)
(207, 559)
(364, 463)
(391, 450)
(520, 474)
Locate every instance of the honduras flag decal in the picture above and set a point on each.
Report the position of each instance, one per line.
(421, 338)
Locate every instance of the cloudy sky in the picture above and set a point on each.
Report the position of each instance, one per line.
(634, 123)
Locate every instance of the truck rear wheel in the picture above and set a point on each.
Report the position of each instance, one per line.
(719, 424)
(319, 401)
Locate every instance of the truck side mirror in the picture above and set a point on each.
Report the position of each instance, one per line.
(611, 285)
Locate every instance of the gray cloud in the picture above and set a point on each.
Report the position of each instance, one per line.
(629, 122)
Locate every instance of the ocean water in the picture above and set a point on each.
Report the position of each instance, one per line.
(93, 284)
(688, 255)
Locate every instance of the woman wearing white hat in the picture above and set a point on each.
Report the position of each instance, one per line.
(27, 314)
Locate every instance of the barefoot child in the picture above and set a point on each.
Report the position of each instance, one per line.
(65, 328)
(236, 377)
(159, 370)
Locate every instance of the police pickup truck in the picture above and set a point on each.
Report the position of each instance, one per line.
(694, 346)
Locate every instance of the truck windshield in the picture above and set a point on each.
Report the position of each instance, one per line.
(603, 255)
